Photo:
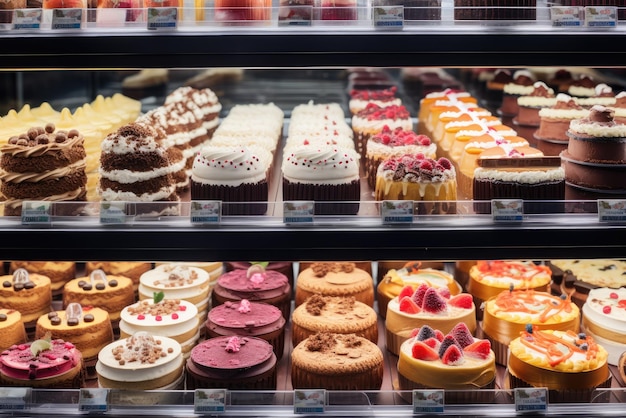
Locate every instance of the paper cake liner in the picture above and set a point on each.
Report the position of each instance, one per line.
(245, 199)
(331, 199)
(565, 395)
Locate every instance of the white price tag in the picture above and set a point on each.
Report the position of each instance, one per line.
(309, 401)
(428, 401)
(93, 400)
(211, 401)
(532, 400)
(507, 210)
(298, 212)
(206, 212)
(36, 213)
(67, 19)
(112, 213)
(397, 211)
(611, 210)
(27, 19)
(388, 17)
(162, 18)
(14, 399)
(566, 16)
(601, 16)
(296, 13)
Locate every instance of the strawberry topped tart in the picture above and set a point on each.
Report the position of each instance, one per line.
(359, 99)
(415, 307)
(456, 361)
(373, 118)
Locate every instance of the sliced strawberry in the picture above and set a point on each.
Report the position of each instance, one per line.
(462, 334)
(439, 335)
(453, 356)
(421, 351)
(418, 296)
(408, 306)
(433, 343)
(444, 292)
(480, 349)
(462, 300)
(433, 302)
(425, 332)
(406, 291)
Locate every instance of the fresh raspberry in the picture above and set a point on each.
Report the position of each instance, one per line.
(445, 163)
(425, 141)
(613, 295)
(426, 165)
(434, 303)
(606, 309)
(174, 315)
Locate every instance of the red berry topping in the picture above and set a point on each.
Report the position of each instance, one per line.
(408, 306)
(434, 303)
(462, 334)
(182, 308)
(425, 332)
(606, 309)
(406, 291)
(613, 295)
(141, 317)
(418, 296)
(444, 292)
(439, 335)
(433, 343)
(426, 165)
(453, 356)
(174, 316)
(462, 300)
(158, 318)
(448, 341)
(445, 163)
(480, 349)
(421, 351)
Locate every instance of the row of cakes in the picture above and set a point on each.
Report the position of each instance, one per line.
(320, 285)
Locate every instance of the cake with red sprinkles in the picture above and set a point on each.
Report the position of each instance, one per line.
(373, 118)
(359, 99)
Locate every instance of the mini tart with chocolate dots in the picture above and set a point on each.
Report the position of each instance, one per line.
(111, 293)
(88, 328)
(173, 318)
(59, 272)
(29, 294)
(141, 362)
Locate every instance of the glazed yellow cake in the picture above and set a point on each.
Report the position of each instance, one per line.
(111, 293)
(571, 364)
(89, 329)
(440, 96)
(447, 364)
(59, 272)
(30, 294)
(413, 274)
(334, 314)
(12, 329)
(506, 316)
(335, 279)
(336, 362)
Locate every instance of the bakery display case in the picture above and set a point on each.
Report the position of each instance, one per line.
(290, 65)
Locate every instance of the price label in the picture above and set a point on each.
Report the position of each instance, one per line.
(566, 16)
(36, 212)
(211, 401)
(507, 210)
(428, 401)
(309, 401)
(112, 213)
(531, 399)
(27, 19)
(93, 400)
(298, 212)
(206, 212)
(388, 17)
(64, 19)
(611, 210)
(397, 211)
(601, 17)
(295, 14)
(14, 399)
(162, 18)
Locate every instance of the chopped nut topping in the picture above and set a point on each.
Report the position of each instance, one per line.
(322, 269)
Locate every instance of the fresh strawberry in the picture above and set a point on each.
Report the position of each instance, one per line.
(462, 334)
(434, 303)
(408, 306)
(418, 296)
(452, 356)
(444, 292)
(406, 291)
(480, 349)
(433, 343)
(439, 335)
(425, 332)
(462, 300)
(414, 332)
(448, 340)
(421, 351)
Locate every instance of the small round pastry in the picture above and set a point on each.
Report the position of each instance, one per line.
(336, 362)
(507, 315)
(235, 363)
(604, 318)
(256, 285)
(214, 268)
(111, 293)
(335, 279)
(59, 272)
(413, 273)
(30, 294)
(173, 318)
(570, 365)
(455, 361)
(42, 363)
(245, 318)
(426, 305)
(141, 362)
(177, 281)
(12, 329)
(334, 314)
(132, 270)
(88, 328)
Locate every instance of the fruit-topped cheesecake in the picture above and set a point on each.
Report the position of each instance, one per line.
(392, 143)
(359, 99)
(108, 292)
(160, 316)
(373, 118)
(507, 314)
(604, 318)
(87, 327)
(29, 294)
(571, 365)
(456, 360)
(423, 305)
(44, 363)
